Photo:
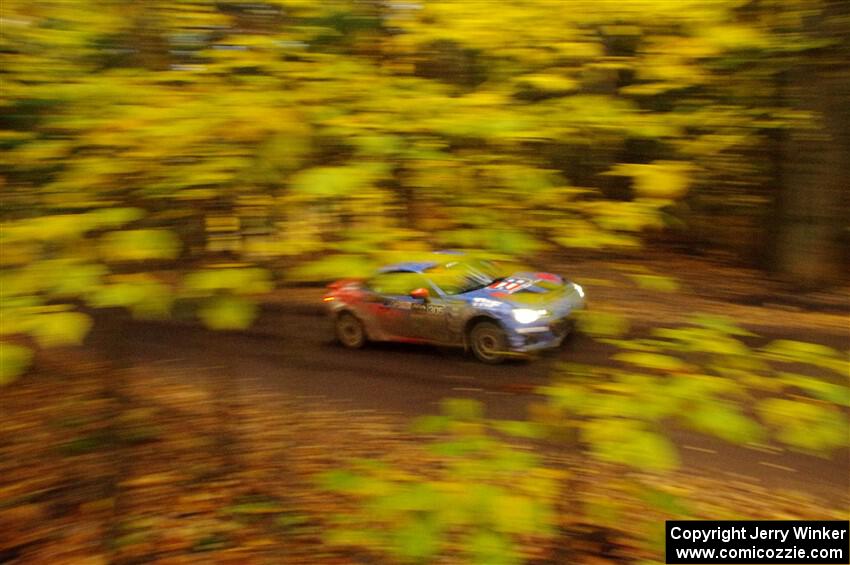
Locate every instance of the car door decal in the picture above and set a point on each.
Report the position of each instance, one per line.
(428, 309)
(400, 304)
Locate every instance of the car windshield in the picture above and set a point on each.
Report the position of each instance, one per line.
(458, 277)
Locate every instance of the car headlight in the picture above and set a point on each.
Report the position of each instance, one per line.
(526, 315)
(579, 289)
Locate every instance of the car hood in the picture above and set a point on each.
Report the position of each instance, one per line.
(526, 289)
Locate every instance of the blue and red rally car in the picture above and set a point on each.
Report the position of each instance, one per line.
(459, 300)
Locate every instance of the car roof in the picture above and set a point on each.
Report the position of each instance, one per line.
(439, 257)
(408, 267)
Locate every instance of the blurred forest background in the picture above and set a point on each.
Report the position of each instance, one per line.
(203, 150)
(188, 159)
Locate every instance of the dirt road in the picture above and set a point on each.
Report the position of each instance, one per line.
(290, 351)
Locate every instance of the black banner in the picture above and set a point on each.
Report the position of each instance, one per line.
(752, 541)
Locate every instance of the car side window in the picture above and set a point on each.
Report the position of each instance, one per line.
(396, 283)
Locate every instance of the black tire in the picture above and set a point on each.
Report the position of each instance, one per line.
(350, 331)
(488, 342)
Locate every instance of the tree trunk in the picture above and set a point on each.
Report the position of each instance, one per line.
(813, 171)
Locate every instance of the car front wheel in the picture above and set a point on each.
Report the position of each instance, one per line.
(488, 342)
(350, 331)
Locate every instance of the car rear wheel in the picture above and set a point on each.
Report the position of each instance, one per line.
(350, 331)
(488, 342)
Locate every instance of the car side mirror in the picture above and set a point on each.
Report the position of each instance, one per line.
(420, 293)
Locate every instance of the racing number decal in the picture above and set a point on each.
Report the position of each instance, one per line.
(511, 285)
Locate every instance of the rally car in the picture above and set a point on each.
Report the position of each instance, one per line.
(459, 300)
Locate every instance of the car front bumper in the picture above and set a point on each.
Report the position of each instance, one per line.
(539, 336)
